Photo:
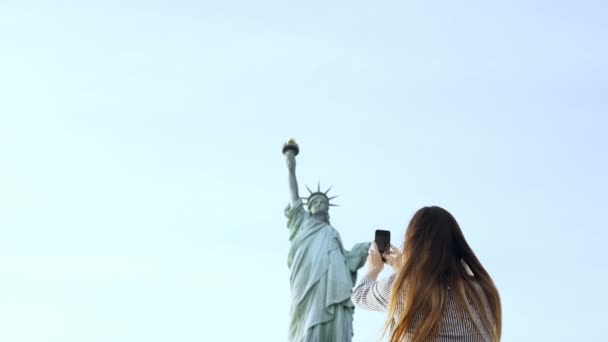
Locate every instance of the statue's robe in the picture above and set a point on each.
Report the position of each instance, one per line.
(321, 279)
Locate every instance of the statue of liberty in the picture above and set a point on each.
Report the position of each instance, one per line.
(323, 273)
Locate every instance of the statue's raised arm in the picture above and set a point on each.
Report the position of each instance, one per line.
(291, 150)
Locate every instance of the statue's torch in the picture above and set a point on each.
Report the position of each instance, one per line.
(291, 147)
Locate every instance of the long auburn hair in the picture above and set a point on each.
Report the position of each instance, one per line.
(437, 256)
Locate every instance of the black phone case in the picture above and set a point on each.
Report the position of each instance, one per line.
(383, 240)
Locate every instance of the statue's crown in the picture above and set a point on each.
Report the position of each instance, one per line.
(319, 193)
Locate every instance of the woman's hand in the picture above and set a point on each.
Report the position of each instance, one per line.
(374, 261)
(393, 257)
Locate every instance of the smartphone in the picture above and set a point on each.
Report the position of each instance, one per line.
(383, 240)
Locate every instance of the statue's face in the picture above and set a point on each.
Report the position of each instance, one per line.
(318, 204)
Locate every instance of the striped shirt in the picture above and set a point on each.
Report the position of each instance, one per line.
(456, 325)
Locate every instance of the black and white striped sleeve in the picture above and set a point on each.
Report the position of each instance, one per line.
(373, 295)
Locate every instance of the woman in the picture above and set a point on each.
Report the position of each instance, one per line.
(439, 291)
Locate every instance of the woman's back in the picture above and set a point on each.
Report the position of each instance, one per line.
(456, 324)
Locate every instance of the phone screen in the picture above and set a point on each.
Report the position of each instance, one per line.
(383, 240)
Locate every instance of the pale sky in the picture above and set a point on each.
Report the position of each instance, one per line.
(142, 185)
